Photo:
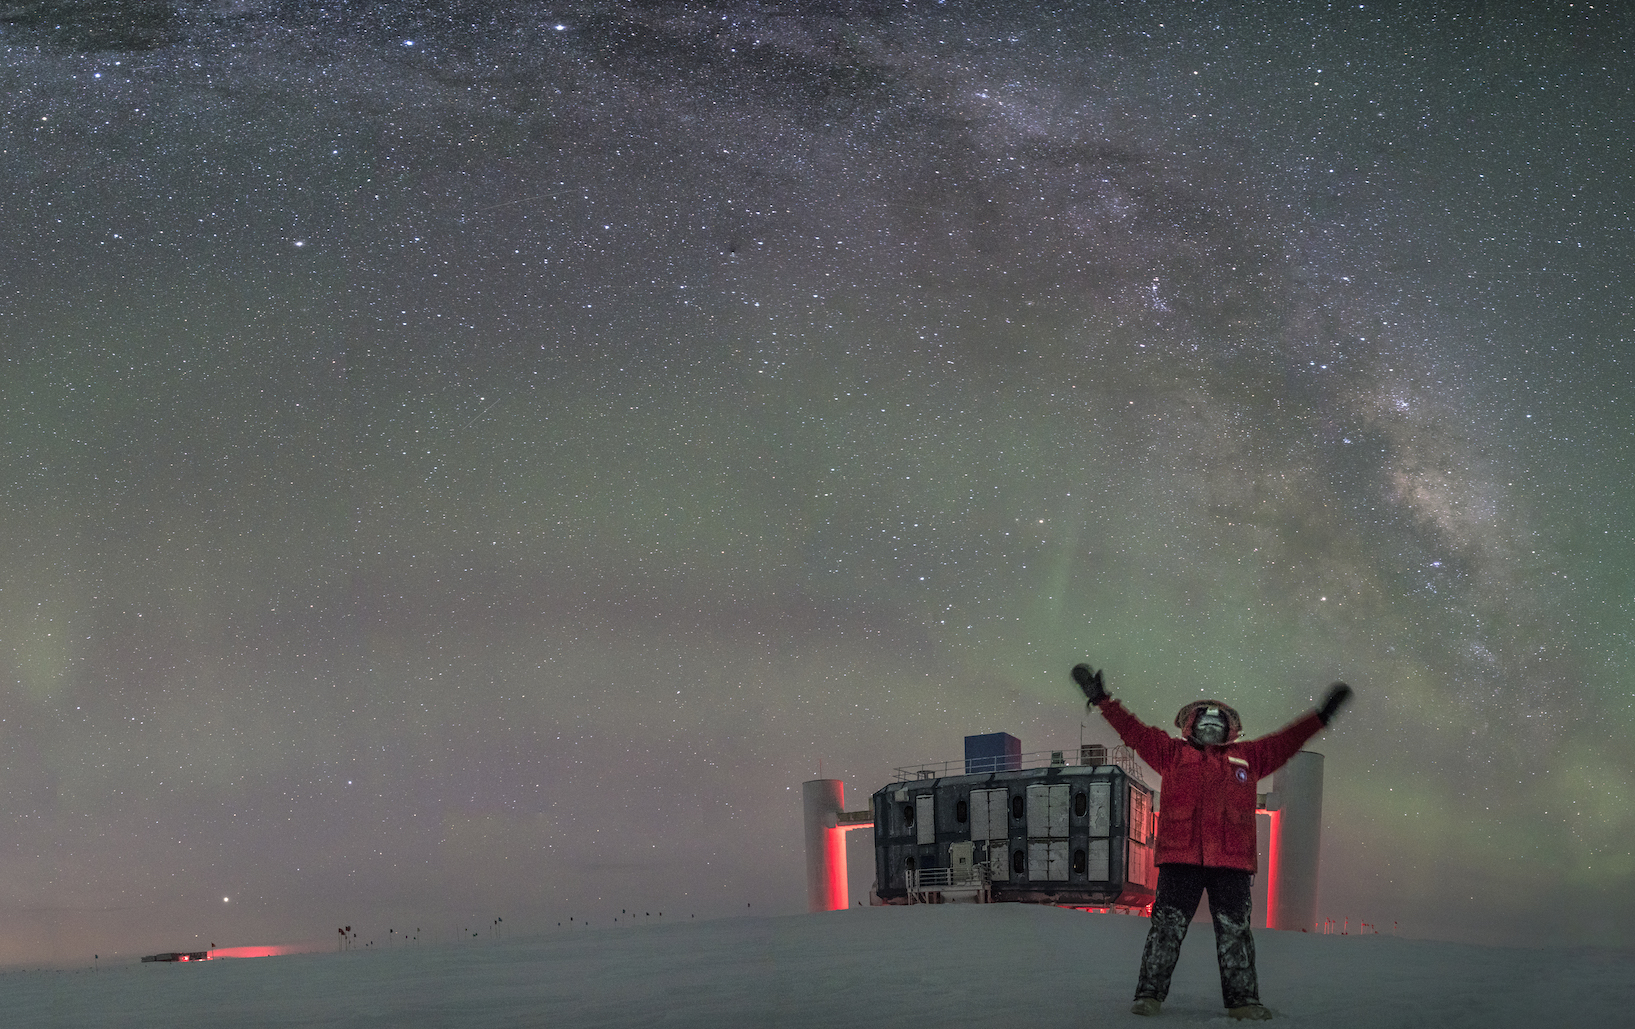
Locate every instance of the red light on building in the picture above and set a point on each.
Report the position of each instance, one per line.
(835, 843)
(1274, 846)
(827, 821)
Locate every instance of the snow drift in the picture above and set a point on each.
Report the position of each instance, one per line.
(948, 965)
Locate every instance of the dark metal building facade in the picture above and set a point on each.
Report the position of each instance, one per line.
(1078, 835)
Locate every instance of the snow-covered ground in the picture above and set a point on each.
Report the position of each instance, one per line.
(995, 966)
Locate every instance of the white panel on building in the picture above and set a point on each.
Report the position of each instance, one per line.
(1100, 813)
(999, 861)
(979, 814)
(1038, 813)
(1098, 869)
(1058, 862)
(925, 818)
(1047, 811)
(1038, 860)
(1138, 866)
(960, 855)
(1140, 804)
(990, 814)
(1048, 860)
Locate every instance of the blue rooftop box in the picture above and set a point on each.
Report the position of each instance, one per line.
(992, 752)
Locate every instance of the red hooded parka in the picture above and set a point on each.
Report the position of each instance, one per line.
(1207, 814)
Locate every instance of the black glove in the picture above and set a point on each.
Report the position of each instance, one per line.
(1095, 691)
(1338, 696)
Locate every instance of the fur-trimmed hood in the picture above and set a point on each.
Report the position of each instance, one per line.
(1189, 714)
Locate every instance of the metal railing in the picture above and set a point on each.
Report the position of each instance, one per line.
(971, 880)
(1088, 755)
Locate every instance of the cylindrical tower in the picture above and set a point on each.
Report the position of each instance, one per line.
(1297, 835)
(826, 889)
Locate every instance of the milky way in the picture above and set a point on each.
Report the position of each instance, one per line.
(477, 461)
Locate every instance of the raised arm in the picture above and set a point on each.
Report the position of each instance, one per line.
(1156, 747)
(1271, 752)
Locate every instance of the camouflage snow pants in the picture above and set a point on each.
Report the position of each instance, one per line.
(1179, 889)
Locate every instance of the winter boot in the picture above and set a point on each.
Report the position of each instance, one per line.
(1250, 1012)
(1146, 1006)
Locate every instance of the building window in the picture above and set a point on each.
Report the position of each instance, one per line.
(908, 815)
(1019, 861)
(1080, 863)
(962, 811)
(908, 863)
(1081, 803)
(1019, 807)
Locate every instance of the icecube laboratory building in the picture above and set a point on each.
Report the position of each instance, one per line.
(1062, 828)
(1077, 834)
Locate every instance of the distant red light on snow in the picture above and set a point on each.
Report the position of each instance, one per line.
(251, 952)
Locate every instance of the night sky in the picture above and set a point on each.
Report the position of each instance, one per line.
(476, 460)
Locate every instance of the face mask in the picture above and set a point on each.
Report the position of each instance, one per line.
(1209, 728)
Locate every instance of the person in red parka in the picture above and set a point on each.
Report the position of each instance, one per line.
(1206, 831)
